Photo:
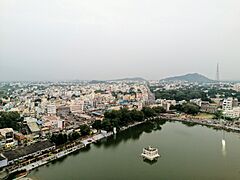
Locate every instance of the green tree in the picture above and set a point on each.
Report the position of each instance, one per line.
(10, 120)
(97, 124)
(218, 115)
(148, 112)
(137, 115)
(85, 130)
(159, 109)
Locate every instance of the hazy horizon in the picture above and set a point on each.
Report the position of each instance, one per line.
(102, 40)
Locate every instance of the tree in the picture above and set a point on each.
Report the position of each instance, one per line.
(10, 120)
(218, 115)
(159, 109)
(97, 124)
(137, 115)
(85, 130)
(190, 108)
(59, 139)
(73, 136)
(148, 112)
(106, 125)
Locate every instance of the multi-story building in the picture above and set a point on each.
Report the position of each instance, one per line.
(227, 104)
(233, 113)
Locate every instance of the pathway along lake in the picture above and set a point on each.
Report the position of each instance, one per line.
(194, 152)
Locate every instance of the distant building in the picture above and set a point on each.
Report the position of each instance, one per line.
(74, 108)
(208, 107)
(51, 109)
(196, 101)
(63, 111)
(227, 104)
(236, 87)
(166, 104)
(233, 113)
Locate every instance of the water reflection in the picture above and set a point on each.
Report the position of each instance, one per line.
(224, 152)
(189, 124)
(133, 133)
(150, 162)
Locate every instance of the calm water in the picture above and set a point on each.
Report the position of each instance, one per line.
(186, 153)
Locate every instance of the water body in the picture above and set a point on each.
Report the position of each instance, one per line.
(194, 152)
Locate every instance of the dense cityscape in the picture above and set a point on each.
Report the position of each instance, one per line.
(119, 90)
(43, 121)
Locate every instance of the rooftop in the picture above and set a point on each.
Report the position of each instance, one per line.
(23, 151)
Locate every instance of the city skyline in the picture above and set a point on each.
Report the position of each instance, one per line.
(62, 40)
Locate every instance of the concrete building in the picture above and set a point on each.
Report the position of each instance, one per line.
(63, 111)
(7, 138)
(236, 87)
(233, 113)
(208, 107)
(31, 151)
(166, 104)
(227, 104)
(51, 109)
(196, 101)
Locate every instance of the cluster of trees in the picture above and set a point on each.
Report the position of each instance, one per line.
(182, 94)
(188, 108)
(63, 138)
(124, 116)
(10, 120)
(224, 93)
(205, 93)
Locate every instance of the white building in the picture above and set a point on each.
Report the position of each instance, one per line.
(227, 104)
(51, 109)
(166, 104)
(236, 87)
(233, 113)
(196, 101)
(7, 138)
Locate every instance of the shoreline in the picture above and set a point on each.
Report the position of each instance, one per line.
(205, 122)
(97, 137)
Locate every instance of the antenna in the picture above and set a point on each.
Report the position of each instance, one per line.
(217, 74)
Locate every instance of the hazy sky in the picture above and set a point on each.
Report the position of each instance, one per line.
(106, 39)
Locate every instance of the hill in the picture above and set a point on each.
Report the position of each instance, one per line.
(193, 77)
(130, 79)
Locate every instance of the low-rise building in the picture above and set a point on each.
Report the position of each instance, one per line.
(208, 107)
(32, 151)
(7, 138)
(51, 109)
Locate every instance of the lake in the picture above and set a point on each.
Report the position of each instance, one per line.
(187, 152)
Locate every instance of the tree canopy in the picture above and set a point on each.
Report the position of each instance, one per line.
(188, 108)
(10, 120)
(124, 116)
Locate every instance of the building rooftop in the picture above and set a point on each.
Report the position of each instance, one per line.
(24, 151)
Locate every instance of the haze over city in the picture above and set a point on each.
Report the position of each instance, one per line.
(67, 40)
